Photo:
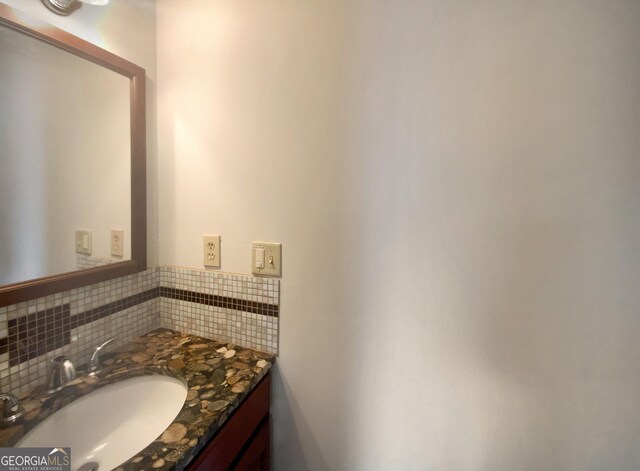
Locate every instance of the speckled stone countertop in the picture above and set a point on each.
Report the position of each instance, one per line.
(219, 376)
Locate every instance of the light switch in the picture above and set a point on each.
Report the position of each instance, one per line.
(83, 242)
(266, 259)
(260, 257)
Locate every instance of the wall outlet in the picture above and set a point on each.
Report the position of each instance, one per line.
(83, 242)
(211, 251)
(266, 258)
(117, 243)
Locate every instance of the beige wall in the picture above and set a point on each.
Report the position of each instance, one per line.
(455, 187)
(128, 29)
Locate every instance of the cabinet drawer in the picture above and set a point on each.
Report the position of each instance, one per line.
(257, 454)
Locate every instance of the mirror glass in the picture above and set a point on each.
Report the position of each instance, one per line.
(65, 160)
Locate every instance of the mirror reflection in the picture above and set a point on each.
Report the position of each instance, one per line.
(65, 153)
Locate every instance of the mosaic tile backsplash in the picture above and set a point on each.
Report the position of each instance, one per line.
(239, 309)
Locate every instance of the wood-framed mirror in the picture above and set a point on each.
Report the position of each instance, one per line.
(42, 176)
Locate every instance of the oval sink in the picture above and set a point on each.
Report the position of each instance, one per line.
(110, 425)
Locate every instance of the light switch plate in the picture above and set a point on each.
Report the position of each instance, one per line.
(117, 243)
(211, 251)
(83, 242)
(272, 259)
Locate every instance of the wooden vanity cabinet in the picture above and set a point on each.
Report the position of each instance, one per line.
(244, 441)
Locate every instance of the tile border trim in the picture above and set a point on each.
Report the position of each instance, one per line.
(225, 302)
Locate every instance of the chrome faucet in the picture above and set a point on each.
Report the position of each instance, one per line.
(94, 362)
(11, 409)
(61, 372)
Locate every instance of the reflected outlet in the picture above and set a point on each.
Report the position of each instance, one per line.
(117, 243)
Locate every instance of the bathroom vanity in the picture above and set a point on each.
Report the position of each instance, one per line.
(223, 423)
(243, 443)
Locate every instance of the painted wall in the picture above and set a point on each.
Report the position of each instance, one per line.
(455, 187)
(127, 29)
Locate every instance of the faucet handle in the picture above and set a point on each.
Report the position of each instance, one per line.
(11, 409)
(94, 362)
(61, 371)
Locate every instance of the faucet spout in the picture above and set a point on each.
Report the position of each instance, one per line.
(94, 362)
(61, 372)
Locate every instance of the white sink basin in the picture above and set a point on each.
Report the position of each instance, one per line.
(110, 425)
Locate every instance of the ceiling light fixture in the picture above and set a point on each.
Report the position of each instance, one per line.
(66, 7)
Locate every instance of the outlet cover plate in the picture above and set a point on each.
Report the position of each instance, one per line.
(117, 243)
(272, 259)
(211, 251)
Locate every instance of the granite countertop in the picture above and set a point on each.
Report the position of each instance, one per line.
(219, 376)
